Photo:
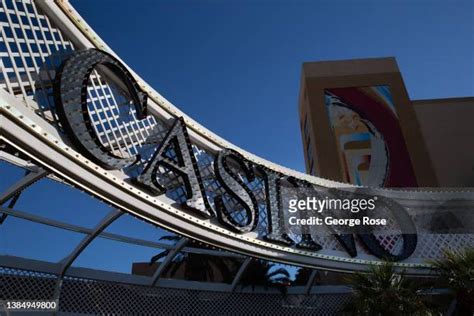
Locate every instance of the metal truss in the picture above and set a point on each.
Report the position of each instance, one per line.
(63, 268)
(67, 262)
(37, 35)
(16, 189)
(178, 247)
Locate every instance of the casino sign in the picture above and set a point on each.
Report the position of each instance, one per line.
(186, 179)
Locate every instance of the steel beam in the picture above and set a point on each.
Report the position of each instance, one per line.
(17, 161)
(168, 259)
(133, 279)
(106, 221)
(23, 183)
(67, 262)
(112, 236)
(310, 282)
(240, 273)
(16, 189)
(12, 203)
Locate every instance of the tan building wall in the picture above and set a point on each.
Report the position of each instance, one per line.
(448, 132)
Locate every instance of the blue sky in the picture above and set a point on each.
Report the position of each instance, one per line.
(235, 67)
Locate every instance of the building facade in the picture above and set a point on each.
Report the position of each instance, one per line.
(359, 126)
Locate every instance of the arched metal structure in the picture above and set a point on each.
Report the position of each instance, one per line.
(37, 37)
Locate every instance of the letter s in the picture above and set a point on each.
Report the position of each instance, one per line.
(236, 188)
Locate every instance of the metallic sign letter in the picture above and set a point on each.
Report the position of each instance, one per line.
(236, 188)
(275, 218)
(373, 245)
(185, 166)
(307, 241)
(71, 99)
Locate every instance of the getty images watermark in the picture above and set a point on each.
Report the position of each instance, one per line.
(327, 211)
(314, 211)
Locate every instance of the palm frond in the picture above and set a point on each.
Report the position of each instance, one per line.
(456, 269)
(384, 292)
(278, 271)
(159, 256)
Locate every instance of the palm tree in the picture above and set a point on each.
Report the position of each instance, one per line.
(384, 292)
(199, 267)
(258, 273)
(457, 272)
(263, 273)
